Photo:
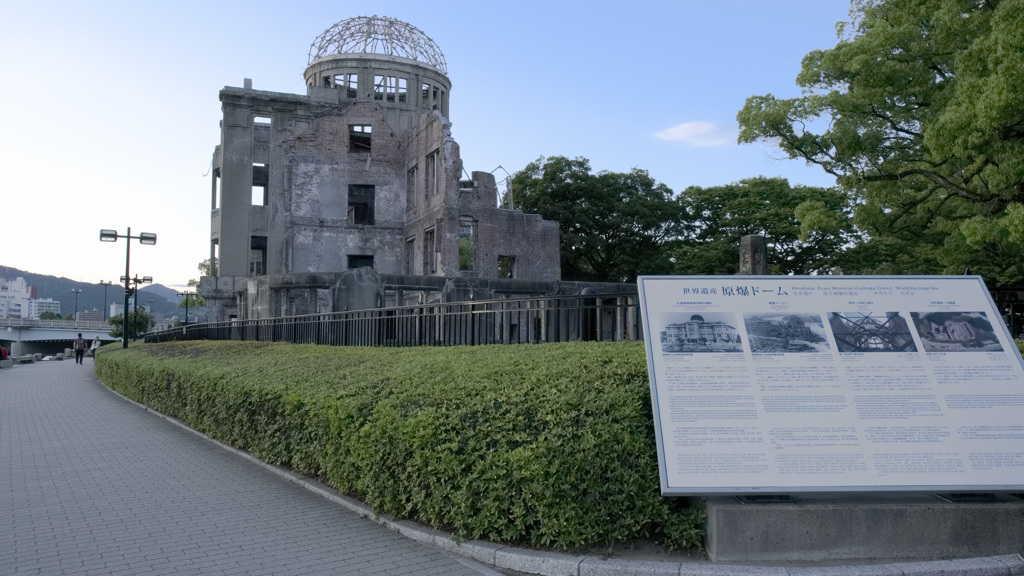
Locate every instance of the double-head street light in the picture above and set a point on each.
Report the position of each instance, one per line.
(106, 284)
(136, 281)
(187, 295)
(143, 238)
(77, 292)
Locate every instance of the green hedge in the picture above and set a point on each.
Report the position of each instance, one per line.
(549, 445)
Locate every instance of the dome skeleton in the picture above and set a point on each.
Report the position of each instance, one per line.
(378, 35)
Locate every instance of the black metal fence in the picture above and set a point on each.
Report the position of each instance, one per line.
(1010, 302)
(599, 317)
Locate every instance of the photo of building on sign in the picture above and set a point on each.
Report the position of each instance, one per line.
(707, 332)
(789, 332)
(956, 332)
(871, 332)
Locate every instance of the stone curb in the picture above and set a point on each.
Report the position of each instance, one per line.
(559, 564)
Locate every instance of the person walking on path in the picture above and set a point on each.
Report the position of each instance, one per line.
(95, 346)
(79, 345)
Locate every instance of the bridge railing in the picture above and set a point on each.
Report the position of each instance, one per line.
(36, 323)
(603, 317)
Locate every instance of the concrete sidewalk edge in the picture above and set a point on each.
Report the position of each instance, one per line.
(561, 564)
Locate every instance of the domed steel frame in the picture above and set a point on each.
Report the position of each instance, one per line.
(378, 35)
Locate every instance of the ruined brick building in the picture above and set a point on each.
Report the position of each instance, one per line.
(359, 172)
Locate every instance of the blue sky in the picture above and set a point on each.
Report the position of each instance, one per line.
(111, 107)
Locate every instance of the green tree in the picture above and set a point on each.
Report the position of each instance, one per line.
(138, 324)
(206, 268)
(195, 301)
(48, 315)
(717, 217)
(614, 226)
(191, 302)
(919, 114)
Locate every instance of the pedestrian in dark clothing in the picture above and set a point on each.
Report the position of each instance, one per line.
(79, 345)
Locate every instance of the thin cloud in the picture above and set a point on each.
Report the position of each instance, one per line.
(699, 134)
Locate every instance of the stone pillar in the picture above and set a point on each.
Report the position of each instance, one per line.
(753, 255)
(359, 289)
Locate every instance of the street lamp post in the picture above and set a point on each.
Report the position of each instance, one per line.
(187, 295)
(135, 297)
(76, 292)
(143, 238)
(106, 284)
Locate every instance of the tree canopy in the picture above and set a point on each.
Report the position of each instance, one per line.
(194, 301)
(919, 114)
(715, 219)
(138, 323)
(613, 225)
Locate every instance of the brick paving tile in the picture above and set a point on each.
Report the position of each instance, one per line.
(92, 484)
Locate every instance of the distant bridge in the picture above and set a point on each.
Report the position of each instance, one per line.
(22, 336)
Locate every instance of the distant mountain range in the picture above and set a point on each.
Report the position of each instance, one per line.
(161, 300)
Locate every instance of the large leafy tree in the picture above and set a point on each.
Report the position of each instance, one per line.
(138, 324)
(919, 113)
(614, 226)
(718, 216)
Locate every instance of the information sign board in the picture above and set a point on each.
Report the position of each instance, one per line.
(781, 384)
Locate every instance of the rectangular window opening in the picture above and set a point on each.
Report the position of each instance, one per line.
(431, 184)
(410, 255)
(428, 252)
(261, 120)
(359, 137)
(425, 102)
(352, 85)
(506, 267)
(359, 261)
(378, 87)
(260, 182)
(410, 189)
(347, 82)
(215, 200)
(214, 257)
(467, 243)
(392, 88)
(403, 88)
(360, 204)
(257, 256)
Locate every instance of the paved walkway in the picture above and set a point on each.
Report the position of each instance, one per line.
(91, 484)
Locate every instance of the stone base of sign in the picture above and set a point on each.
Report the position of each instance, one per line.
(821, 528)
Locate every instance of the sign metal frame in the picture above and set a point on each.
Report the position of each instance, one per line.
(798, 384)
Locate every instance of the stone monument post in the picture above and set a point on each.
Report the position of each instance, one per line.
(753, 255)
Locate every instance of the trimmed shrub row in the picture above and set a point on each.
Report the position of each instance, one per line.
(548, 445)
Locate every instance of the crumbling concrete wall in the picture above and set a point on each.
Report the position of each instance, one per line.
(320, 219)
(530, 240)
(442, 214)
(283, 203)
